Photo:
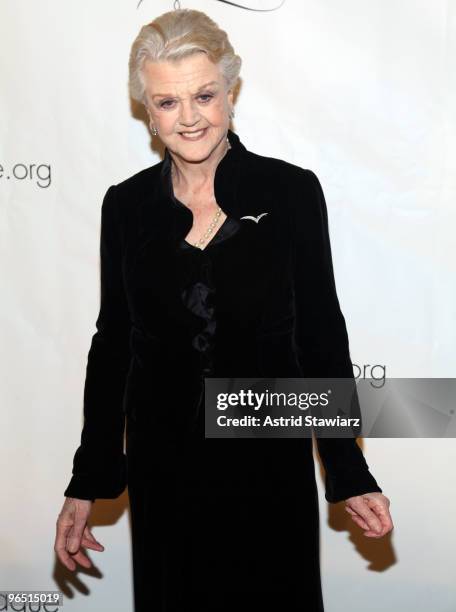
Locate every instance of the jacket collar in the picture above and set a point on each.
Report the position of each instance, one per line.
(169, 219)
(225, 181)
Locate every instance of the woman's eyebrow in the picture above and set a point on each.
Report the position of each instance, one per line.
(199, 89)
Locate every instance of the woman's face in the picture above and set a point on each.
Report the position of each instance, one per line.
(184, 97)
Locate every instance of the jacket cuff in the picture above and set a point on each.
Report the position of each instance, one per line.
(98, 485)
(349, 484)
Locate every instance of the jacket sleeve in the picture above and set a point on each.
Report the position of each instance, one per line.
(321, 335)
(99, 463)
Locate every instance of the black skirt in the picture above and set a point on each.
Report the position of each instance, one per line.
(224, 524)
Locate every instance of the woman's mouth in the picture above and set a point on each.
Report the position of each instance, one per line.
(194, 135)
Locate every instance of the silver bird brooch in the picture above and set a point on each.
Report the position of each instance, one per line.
(256, 219)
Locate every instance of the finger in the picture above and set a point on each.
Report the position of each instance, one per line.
(362, 508)
(89, 541)
(64, 557)
(92, 545)
(356, 518)
(63, 527)
(386, 521)
(373, 534)
(372, 518)
(381, 511)
(82, 559)
(360, 522)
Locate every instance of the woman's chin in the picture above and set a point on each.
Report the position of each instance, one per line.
(198, 150)
(195, 152)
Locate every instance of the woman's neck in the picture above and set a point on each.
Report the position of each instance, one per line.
(196, 176)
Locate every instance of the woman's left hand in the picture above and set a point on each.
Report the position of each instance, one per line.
(370, 511)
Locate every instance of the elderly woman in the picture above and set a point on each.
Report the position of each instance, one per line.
(215, 262)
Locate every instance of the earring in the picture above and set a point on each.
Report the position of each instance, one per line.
(232, 113)
(154, 129)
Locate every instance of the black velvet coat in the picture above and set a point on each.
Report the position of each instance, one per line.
(217, 524)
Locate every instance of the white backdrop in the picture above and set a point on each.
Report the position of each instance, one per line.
(362, 93)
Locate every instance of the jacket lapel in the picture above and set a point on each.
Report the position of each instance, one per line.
(166, 220)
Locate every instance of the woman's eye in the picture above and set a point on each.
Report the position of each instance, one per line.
(169, 103)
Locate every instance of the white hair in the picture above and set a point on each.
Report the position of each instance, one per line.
(178, 34)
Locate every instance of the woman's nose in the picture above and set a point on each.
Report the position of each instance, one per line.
(189, 113)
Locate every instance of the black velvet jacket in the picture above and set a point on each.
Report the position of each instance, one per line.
(278, 313)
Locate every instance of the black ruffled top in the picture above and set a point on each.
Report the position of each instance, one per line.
(198, 290)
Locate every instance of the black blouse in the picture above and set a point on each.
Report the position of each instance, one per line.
(198, 288)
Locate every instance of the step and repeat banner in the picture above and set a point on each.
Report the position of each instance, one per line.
(361, 93)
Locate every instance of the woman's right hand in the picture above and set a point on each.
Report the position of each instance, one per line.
(73, 533)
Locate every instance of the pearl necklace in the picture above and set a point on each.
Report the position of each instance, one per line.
(202, 240)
